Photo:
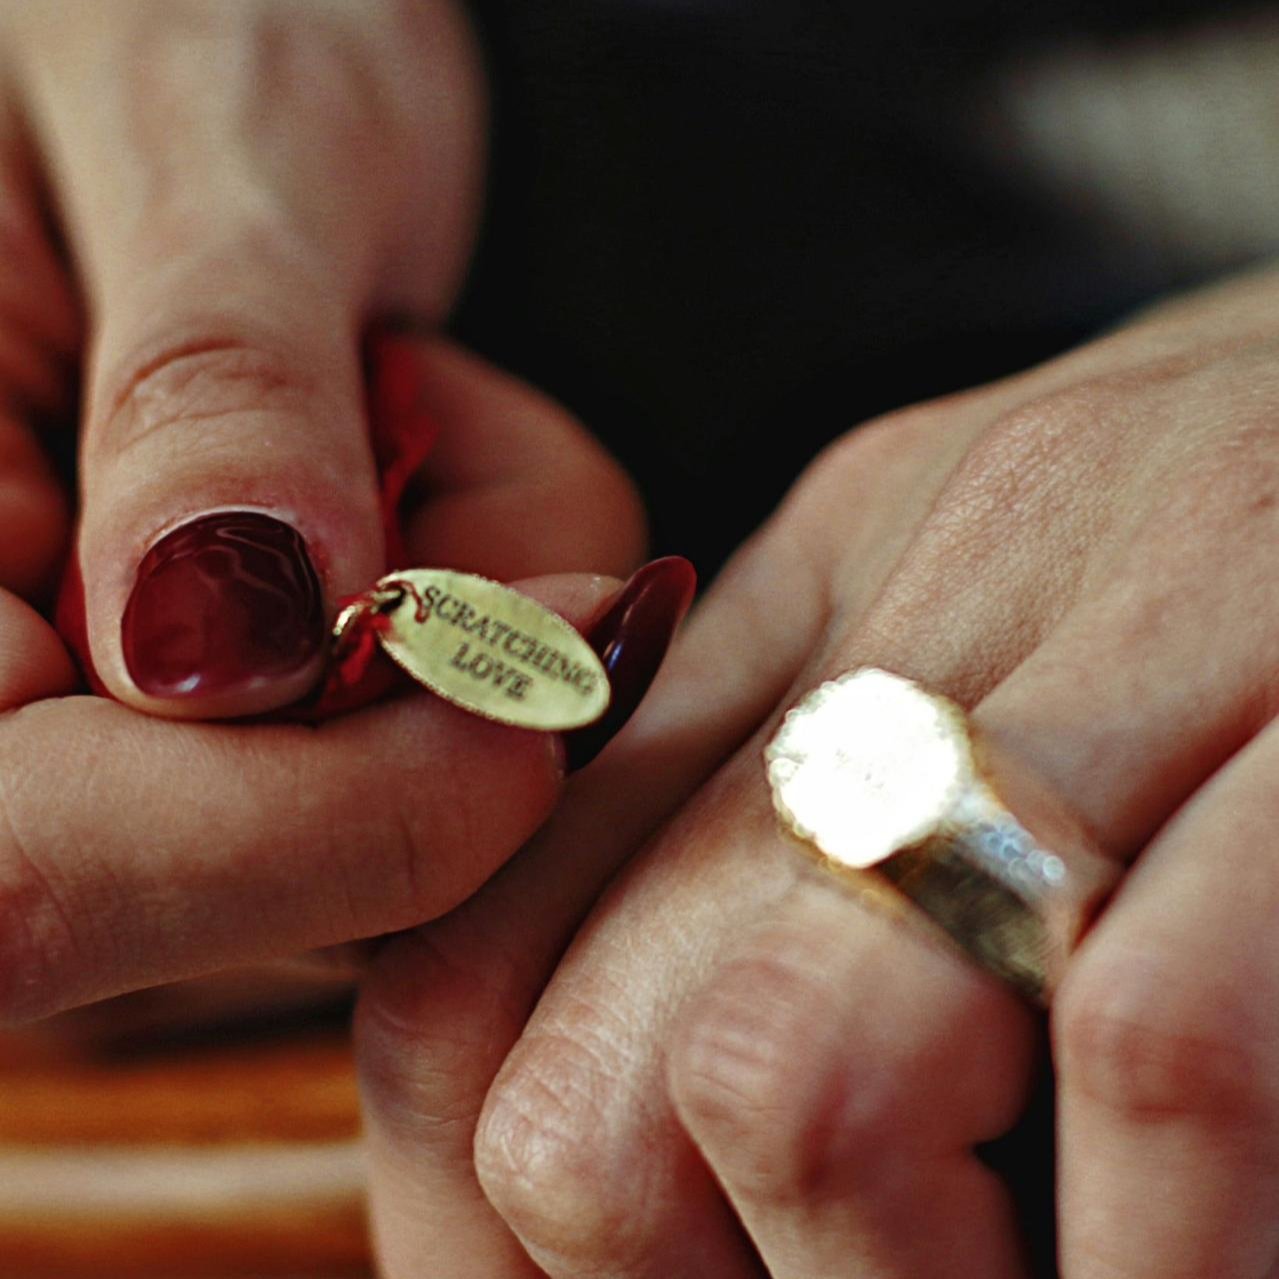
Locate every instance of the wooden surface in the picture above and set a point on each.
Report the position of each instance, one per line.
(138, 1139)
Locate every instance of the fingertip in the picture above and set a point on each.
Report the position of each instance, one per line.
(632, 637)
(577, 597)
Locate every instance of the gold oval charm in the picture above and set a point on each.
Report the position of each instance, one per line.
(490, 650)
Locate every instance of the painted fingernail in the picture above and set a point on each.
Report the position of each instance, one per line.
(631, 638)
(229, 603)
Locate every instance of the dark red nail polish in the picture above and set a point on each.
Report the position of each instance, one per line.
(631, 638)
(227, 603)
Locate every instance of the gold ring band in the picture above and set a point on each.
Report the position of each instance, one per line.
(878, 776)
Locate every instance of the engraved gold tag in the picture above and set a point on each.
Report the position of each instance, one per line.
(487, 648)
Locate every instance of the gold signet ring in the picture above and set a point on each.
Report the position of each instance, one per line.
(880, 777)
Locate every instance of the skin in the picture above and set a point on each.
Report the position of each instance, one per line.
(203, 206)
(719, 1065)
(241, 189)
(707, 1059)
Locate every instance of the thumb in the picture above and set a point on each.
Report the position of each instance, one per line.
(229, 493)
(231, 220)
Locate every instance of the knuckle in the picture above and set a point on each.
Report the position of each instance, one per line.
(1015, 463)
(411, 871)
(730, 1063)
(778, 1134)
(1171, 1054)
(196, 384)
(355, 900)
(847, 509)
(981, 540)
(548, 1159)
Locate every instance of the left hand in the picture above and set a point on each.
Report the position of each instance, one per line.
(204, 206)
(136, 850)
(737, 1069)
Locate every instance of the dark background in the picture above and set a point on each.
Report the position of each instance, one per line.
(724, 233)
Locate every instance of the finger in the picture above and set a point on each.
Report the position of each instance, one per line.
(579, 1114)
(168, 850)
(514, 486)
(1124, 676)
(444, 1006)
(1160, 671)
(40, 323)
(230, 230)
(1167, 1036)
(843, 1129)
(579, 1146)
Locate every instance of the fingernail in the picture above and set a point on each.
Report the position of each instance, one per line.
(631, 639)
(226, 604)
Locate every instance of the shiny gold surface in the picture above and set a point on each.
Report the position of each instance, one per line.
(490, 650)
(876, 775)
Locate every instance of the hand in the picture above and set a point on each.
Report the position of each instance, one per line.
(135, 849)
(242, 189)
(739, 1069)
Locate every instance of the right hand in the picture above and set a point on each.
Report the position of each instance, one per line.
(708, 1058)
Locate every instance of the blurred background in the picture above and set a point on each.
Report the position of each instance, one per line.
(724, 232)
